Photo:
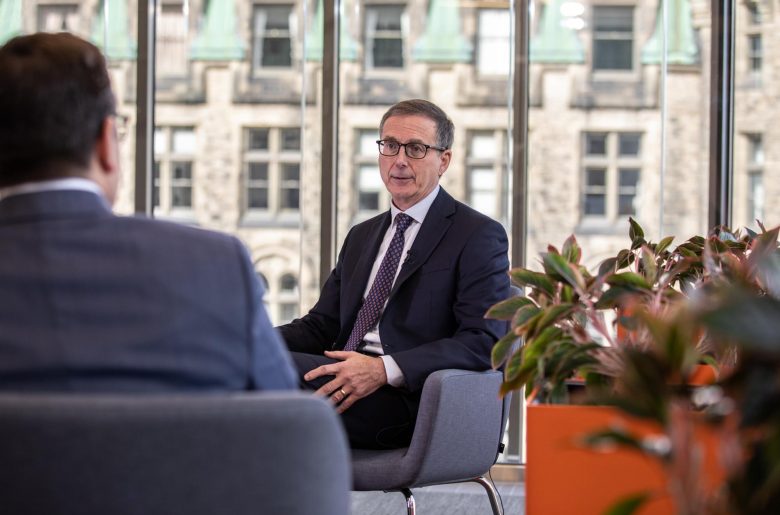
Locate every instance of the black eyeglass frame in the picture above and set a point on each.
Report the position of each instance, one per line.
(382, 142)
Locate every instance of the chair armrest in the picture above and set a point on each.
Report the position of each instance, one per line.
(459, 425)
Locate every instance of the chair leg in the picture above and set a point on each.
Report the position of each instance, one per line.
(410, 506)
(492, 494)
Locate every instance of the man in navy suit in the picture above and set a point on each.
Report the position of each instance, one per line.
(90, 301)
(409, 292)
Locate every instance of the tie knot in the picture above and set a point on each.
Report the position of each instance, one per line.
(403, 221)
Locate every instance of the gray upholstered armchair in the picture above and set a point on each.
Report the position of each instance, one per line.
(457, 438)
(240, 454)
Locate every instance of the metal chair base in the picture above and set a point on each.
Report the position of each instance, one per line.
(495, 504)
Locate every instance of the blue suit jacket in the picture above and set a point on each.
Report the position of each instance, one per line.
(93, 301)
(434, 318)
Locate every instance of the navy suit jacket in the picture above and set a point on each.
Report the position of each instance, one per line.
(90, 301)
(434, 319)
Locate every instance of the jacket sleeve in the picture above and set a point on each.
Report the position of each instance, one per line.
(269, 362)
(315, 332)
(482, 280)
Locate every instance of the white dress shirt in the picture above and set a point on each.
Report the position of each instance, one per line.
(417, 212)
(67, 183)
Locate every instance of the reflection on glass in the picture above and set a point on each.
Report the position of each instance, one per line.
(756, 171)
(111, 30)
(229, 144)
(614, 135)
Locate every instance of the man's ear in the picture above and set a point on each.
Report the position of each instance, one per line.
(444, 161)
(106, 146)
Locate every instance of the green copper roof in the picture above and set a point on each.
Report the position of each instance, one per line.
(681, 40)
(218, 39)
(10, 19)
(315, 37)
(443, 40)
(115, 41)
(556, 43)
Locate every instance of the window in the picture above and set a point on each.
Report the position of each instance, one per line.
(272, 164)
(174, 151)
(288, 298)
(486, 170)
(493, 45)
(172, 29)
(370, 189)
(613, 38)
(272, 38)
(755, 53)
(755, 170)
(384, 37)
(58, 18)
(611, 174)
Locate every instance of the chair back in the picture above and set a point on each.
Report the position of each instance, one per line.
(238, 454)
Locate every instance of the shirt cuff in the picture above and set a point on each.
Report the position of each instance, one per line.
(394, 375)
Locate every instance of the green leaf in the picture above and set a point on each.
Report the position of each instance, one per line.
(502, 348)
(506, 309)
(513, 365)
(524, 277)
(612, 298)
(571, 250)
(635, 232)
(523, 316)
(629, 505)
(648, 265)
(555, 264)
(553, 314)
(630, 280)
(663, 245)
(624, 259)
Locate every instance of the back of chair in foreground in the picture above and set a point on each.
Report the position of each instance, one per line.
(237, 454)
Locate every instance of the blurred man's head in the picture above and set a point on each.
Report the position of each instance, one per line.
(56, 112)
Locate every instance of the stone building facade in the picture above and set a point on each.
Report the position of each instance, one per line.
(618, 118)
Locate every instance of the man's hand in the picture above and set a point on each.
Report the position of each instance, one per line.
(354, 377)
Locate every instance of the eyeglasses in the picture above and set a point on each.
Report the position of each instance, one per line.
(121, 123)
(389, 147)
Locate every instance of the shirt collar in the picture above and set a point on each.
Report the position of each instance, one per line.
(67, 183)
(420, 209)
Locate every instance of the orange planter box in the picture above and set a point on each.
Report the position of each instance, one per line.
(562, 477)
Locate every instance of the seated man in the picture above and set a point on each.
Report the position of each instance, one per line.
(90, 301)
(409, 292)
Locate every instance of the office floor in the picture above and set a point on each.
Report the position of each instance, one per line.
(458, 499)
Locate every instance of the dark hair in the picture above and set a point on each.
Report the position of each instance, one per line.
(55, 93)
(444, 128)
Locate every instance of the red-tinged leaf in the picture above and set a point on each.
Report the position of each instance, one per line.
(555, 264)
(553, 314)
(572, 252)
(523, 315)
(513, 365)
(506, 309)
(608, 266)
(502, 349)
(535, 280)
(629, 280)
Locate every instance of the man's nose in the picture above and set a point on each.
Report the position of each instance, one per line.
(401, 159)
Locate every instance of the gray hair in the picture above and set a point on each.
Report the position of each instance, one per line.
(444, 127)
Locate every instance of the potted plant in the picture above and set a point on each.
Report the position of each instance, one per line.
(628, 328)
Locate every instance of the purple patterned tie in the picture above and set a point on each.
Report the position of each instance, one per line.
(369, 312)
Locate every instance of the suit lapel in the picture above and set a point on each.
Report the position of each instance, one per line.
(366, 261)
(434, 227)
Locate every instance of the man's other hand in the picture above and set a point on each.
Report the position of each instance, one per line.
(354, 377)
